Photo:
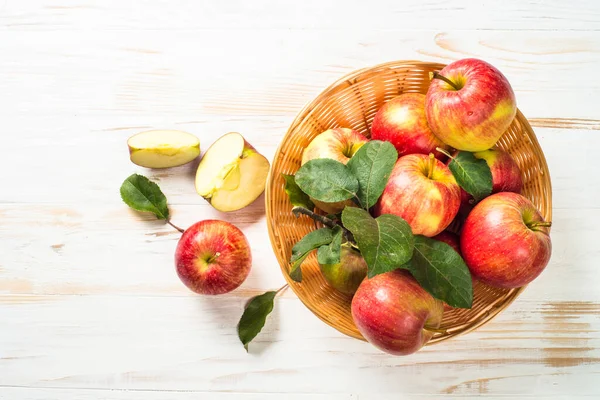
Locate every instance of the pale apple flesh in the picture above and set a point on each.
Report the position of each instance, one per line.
(475, 110)
(232, 174)
(348, 274)
(213, 257)
(402, 122)
(422, 191)
(395, 314)
(338, 144)
(505, 241)
(163, 148)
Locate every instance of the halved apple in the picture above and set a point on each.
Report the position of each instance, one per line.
(163, 148)
(232, 174)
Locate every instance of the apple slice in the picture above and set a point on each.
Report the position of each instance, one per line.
(232, 174)
(163, 148)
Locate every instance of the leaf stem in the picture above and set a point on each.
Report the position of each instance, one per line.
(282, 289)
(175, 226)
(444, 152)
(324, 220)
(437, 75)
(431, 166)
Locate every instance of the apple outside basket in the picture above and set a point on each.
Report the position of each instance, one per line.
(352, 102)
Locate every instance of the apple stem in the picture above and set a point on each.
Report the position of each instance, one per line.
(437, 75)
(444, 152)
(175, 226)
(544, 224)
(431, 165)
(435, 330)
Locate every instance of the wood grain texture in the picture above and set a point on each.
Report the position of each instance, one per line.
(90, 306)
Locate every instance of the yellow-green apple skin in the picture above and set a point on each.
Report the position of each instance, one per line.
(163, 148)
(393, 312)
(505, 241)
(346, 275)
(428, 201)
(338, 144)
(475, 114)
(402, 122)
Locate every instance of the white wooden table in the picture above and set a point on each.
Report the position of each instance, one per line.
(90, 305)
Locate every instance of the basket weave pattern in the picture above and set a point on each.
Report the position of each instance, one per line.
(352, 102)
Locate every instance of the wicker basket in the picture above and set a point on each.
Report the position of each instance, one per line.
(352, 102)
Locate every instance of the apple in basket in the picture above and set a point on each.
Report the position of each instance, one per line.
(401, 121)
(422, 191)
(213, 257)
(346, 275)
(505, 241)
(339, 144)
(394, 313)
(470, 104)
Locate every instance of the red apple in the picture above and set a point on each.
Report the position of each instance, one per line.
(423, 191)
(450, 239)
(393, 312)
(401, 121)
(213, 257)
(470, 105)
(506, 175)
(505, 241)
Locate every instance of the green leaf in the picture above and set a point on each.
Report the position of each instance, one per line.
(441, 271)
(372, 165)
(472, 174)
(385, 242)
(330, 253)
(311, 241)
(297, 197)
(141, 194)
(254, 317)
(327, 180)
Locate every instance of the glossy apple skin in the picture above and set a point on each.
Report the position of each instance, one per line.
(339, 144)
(346, 275)
(213, 257)
(402, 122)
(450, 239)
(428, 205)
(498, 244)
(474, 117)
(391, 311)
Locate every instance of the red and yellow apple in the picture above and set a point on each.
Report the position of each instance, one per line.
(422, 191)
(470, 104)
(346, 275)
(232, 174)
(213, 257)
(505, 241)
(394, 313)
(339, 144)
(402, 122)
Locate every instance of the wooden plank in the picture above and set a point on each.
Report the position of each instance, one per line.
(178, 74)
(312, 14)
(48, 172)
(189, 343)
(50, 250)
